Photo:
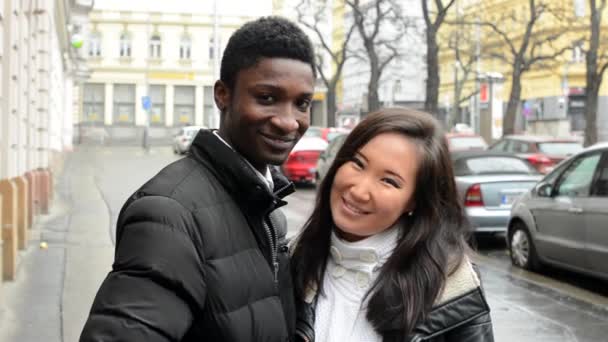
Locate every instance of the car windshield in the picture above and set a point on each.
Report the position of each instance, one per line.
(492, 165)
(332, 135)
(192, 132)
(461, 143)
(314, 132)
(560, 148)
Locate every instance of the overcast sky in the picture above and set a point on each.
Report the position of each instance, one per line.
(225, 7)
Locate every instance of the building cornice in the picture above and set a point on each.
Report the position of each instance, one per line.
(153, 18)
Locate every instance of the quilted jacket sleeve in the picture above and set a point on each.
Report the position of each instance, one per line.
(156, 283)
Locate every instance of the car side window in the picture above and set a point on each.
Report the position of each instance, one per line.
(335, 145)
(600, 187)
(576, 180)
(514, 146)
(500, 146)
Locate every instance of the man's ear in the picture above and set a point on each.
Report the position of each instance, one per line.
(221, 94)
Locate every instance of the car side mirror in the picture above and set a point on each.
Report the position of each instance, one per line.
(545, 190)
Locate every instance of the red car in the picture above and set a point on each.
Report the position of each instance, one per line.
(301, 164)
(544, 153)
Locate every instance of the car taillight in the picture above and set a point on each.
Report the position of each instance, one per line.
(473, 196)
(542, 163)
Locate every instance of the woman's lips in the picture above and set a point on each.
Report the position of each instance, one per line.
(352, 208)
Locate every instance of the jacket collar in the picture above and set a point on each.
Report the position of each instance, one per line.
(461, 301)
(237, 175)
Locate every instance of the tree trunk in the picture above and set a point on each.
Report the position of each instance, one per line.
(432, 71)
(592, 94)
(508, 124)
(331, 105)
(593, 78)
(454, 115)
(373, 102)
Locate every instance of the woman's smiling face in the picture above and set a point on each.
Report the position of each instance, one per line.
(376, 187)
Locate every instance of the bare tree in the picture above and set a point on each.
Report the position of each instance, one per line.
(433, 19)
(312, 14)
(464, 48)
(597, 62)
(532, 48)
(371, 17)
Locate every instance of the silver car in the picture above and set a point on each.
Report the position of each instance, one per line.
(489, 183)
(326, 158)
(563, 221)
(183, 139)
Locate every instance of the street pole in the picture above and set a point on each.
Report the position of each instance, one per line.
(216, 60)
(146, 142)
(477, 112)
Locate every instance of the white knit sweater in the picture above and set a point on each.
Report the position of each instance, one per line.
(351, 271)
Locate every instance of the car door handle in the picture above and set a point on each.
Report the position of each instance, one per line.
(575, 210)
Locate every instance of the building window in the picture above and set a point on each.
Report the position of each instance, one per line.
(212, 54)
(209, 103)
(155, 45)
(578, 56)
(93, 103)
(95, 45)
(157, 112)
(124, 104)
(185, 47)
(183, 108)
(125, 45)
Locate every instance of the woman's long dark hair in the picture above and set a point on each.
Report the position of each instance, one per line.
(432, 244)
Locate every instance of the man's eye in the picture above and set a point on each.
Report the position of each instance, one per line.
(266, 99)
(303, 105)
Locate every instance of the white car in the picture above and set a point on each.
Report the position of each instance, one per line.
(183, 139)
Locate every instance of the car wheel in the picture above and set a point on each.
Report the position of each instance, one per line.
(521, 248)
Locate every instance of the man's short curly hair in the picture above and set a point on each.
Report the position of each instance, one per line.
(269, 37)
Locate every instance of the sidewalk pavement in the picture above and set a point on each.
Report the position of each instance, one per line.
(55, 286)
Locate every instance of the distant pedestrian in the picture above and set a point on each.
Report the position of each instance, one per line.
(383, 256)
(201, 253)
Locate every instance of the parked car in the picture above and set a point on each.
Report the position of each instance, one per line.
(325, 133)
(183, 139)
(563, 220)
(465, 142)
(488, 183)
(301, 165)
(326, 158)
(543, 152)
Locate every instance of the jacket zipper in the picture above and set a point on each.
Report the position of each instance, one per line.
(273, 247)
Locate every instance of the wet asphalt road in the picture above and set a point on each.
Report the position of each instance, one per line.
(552, 306)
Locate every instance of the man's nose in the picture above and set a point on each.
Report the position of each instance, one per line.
(286, 121)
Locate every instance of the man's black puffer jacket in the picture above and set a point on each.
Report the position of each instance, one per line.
(195, 255)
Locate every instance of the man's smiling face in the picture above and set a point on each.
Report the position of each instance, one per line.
(268, 110)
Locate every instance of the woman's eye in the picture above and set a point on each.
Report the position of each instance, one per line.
(392, 182)
(358, 163)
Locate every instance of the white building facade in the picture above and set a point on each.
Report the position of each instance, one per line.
(154, 68)
(39, 67)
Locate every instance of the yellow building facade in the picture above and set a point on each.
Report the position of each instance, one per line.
(552, 91)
